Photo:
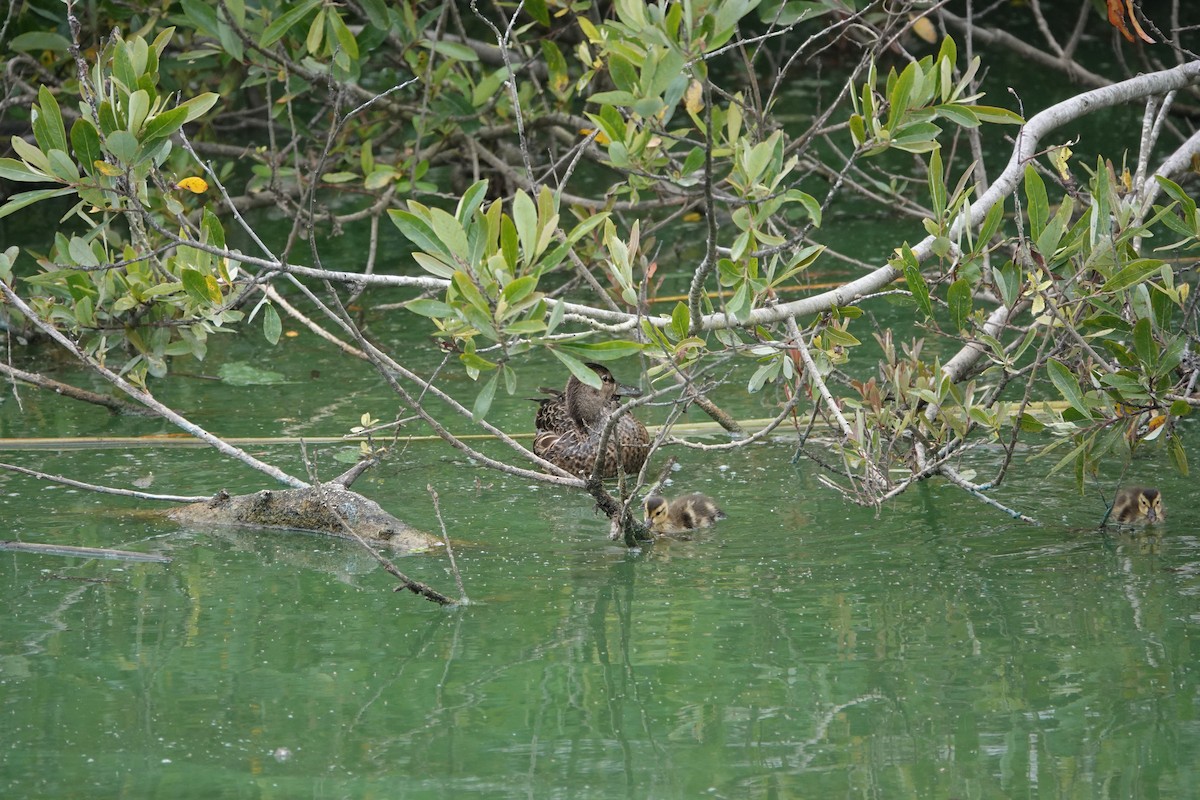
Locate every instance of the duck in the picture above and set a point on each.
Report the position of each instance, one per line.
(569, 424)
(681, 514)
(1138, 505)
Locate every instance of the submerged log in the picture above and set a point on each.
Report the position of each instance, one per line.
(326, 508)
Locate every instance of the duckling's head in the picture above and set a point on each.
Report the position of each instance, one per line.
(587, 404)
(656, 511)
(1139, 505)
(1150, 505)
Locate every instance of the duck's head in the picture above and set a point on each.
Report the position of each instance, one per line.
(587, 404)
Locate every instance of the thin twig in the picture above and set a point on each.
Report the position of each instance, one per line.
(93, 487)
(437, 510)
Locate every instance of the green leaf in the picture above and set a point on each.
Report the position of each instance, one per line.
(1132, 273)
(48, 122)
(428, 307)
(1176, 192)
(470, 202)
(35, 41)
(213, 231)
(418, 231)
(837, 336)
(199, 105)
(614, 98)
(525, 219)
(467, 289)
(916, 282)
(1178, 455)
(937, 186)
(1067, 386)
(86, 143)
(998, 115)
(624, 75)
(81, 252)
(917, 137)
(958, 297)
(433, 265)
(680, 319)
(739, 305)
(560, 79)
(1143, 344)
(1030, 424)
(452, 50)
(122, 66)
(286, 21)
(599, 351)
(200, 286)
(202, 16)
(537, 9)
(519, 289)
(162, 126)
(577, 367)
(124, 146)
(961, 116)
(1047, 242)
(22, 199)
(136, 110)
(450, 233)
(483, 400)
(272, 326)
(1037, 206)
(526, 327)
(13, 170)
(1008, 281)
(991, 224)
(345, 38)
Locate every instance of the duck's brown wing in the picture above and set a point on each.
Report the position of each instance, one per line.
(631, 434)
(552, 411)
(575, 451)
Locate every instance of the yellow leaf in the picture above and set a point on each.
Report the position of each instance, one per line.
(693, 98)
(1126, 180)
(193, 184)
(1059, 157)
(925, 29)
(106, 168)
(692, 216)
(600, 137)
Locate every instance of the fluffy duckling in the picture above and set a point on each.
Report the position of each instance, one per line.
(681, 514)
(569, 425)
(1138, 505)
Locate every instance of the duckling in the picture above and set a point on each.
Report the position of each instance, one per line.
(569, 425)
(682, 514)
(1138, 505)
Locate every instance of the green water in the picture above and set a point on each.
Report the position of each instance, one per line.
(803, 648)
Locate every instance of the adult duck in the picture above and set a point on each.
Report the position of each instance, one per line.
(569, 425)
